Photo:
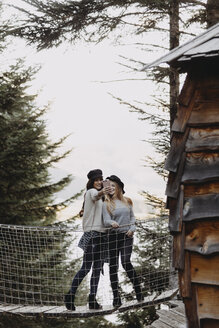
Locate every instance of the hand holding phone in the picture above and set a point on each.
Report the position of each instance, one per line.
(107, 186)
(106, 183)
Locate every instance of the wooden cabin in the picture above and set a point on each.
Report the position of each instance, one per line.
(193, 183)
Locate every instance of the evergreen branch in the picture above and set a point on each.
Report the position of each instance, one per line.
(135, 109)
(144, 44)
(122, 80)
(41, 191)
(153, 200)
(194, 2)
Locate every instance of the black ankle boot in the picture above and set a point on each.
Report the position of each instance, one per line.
(93, 304)
(69, 301)
(138, 292)
(139, 295)
(117, 301)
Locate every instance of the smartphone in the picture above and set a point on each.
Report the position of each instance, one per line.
(106, 183)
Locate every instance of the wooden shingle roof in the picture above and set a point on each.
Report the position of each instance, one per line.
(203, 46)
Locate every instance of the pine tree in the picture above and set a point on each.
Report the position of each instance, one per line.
(48, 23)
(26, 154)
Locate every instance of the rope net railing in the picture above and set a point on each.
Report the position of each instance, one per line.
(37, 264)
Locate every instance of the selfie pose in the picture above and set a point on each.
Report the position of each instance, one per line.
(91, 240)
(118, 214)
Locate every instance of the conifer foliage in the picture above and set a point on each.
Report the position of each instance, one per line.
(26, 154)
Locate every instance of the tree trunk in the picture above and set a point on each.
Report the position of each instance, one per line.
(173, 43)
(212, 12)
(174, 85)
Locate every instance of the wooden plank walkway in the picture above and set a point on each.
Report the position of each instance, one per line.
(83, 311)
(172, 318)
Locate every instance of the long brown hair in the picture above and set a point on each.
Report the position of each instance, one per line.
(110, 200)
(90, 185)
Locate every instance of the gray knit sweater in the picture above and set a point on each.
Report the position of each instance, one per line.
(122, 214)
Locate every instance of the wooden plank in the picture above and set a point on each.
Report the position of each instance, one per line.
(208, 301)
(209, 323)
(171, 321)
(187, 91)
(23, 310)
(209, 79)
(200, 139)
(204, 113)
(176, 212)
(159, 324)
(177, 313)
(185, 277)
(9, 307)
(178, 249)
(31, 310)
(191, 309)
(174, 179)
(80, 312)
(209, 86)
(171, 318)
(150, 300)
(198, 207)
(209, 92)
(201, 189)
(40, 309)
(202, 236)
(184, 111)
(204, 269)
(182, 118)
(177, 147)
(201, 167)
(179, 310)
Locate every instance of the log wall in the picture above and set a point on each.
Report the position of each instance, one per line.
(193, 196)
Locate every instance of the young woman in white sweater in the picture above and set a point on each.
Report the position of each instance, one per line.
(118, 214)
(91, 240)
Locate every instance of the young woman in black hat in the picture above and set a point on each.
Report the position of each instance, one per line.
(118, 214)
(91, 240)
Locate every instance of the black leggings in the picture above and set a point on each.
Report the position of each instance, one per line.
(120, 243)
(92, 255)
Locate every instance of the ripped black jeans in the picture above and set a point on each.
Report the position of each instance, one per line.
(121, 244)
(92, 256)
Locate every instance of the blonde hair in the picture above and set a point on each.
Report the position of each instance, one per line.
(110, 200)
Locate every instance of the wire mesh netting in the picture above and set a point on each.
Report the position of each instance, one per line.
(37, 264)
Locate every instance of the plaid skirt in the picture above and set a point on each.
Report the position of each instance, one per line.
(96, 237)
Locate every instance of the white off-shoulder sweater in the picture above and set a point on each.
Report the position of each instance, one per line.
(92, 217)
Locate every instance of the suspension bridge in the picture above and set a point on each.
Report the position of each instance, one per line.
(37, 265)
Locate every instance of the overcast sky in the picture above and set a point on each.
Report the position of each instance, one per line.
(104, 134)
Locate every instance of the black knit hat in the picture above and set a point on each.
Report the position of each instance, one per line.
(94, 174)
(116, 179)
